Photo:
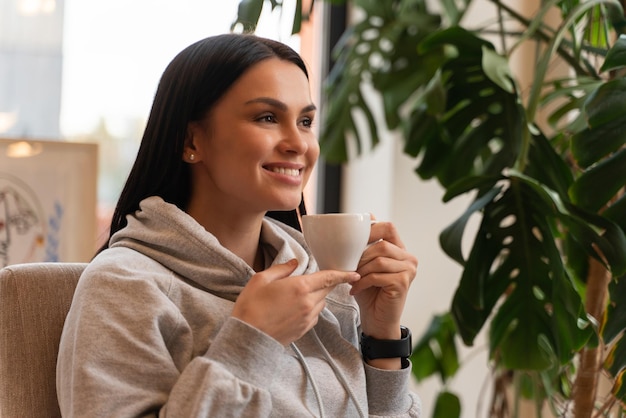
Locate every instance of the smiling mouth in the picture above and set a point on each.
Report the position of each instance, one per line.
(293, 172)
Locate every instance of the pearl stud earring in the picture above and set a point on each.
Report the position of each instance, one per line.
(192, 157)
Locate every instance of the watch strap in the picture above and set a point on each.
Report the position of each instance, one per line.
(373, 348)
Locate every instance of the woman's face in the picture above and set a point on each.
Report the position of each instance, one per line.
(256, 149)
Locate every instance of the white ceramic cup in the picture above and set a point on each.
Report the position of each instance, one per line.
(337, 240)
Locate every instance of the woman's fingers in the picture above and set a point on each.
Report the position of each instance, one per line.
(385, 231)
(384, 264)
(326, 280)
(392, 281)
(283, 306)
(384, 256)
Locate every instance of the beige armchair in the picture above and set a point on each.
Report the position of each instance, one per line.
(34, 300)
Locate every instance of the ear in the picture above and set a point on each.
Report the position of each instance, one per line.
(190, 149)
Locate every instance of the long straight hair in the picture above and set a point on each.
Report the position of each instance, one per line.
(190, 86)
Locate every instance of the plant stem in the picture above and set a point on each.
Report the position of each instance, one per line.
(585, 386)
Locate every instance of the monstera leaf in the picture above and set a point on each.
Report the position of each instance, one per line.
(515, 274)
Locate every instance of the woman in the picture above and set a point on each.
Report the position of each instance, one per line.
(202, 303)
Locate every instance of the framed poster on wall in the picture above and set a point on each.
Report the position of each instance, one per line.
(48, 198)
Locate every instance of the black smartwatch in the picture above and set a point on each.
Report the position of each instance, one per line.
(372, 348)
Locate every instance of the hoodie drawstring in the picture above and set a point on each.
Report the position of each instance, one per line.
(338, 373)
(307, 370)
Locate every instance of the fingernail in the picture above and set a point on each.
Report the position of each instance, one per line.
(354, 276)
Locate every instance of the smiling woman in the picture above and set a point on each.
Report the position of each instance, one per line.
(198, 262)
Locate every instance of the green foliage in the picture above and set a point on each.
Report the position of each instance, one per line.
(436, 351)
(381, 50)
(447, 405)
(466, 126)
(478, 129)
(249, 13)
(614, 326)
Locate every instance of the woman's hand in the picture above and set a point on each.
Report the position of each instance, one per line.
(386, 270)
(283, 306)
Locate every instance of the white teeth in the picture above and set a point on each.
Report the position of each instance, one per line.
(287, 171)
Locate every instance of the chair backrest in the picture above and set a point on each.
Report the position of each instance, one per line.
(34, 301)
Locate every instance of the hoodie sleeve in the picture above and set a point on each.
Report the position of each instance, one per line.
(118, 358)
(388, 392)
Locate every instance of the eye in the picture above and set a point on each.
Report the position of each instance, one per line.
(268, 118)
(307, 122)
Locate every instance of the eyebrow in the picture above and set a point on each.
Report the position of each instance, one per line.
(278, 104)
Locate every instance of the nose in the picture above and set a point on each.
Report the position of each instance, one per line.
(294, 140)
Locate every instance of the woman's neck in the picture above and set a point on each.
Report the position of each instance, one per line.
(244, 243)
(239, 234)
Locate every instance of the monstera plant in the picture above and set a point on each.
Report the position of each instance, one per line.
(546, 169)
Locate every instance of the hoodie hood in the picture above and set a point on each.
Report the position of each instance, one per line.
(163, 232)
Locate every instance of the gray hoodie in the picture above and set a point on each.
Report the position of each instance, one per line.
(149, 333)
